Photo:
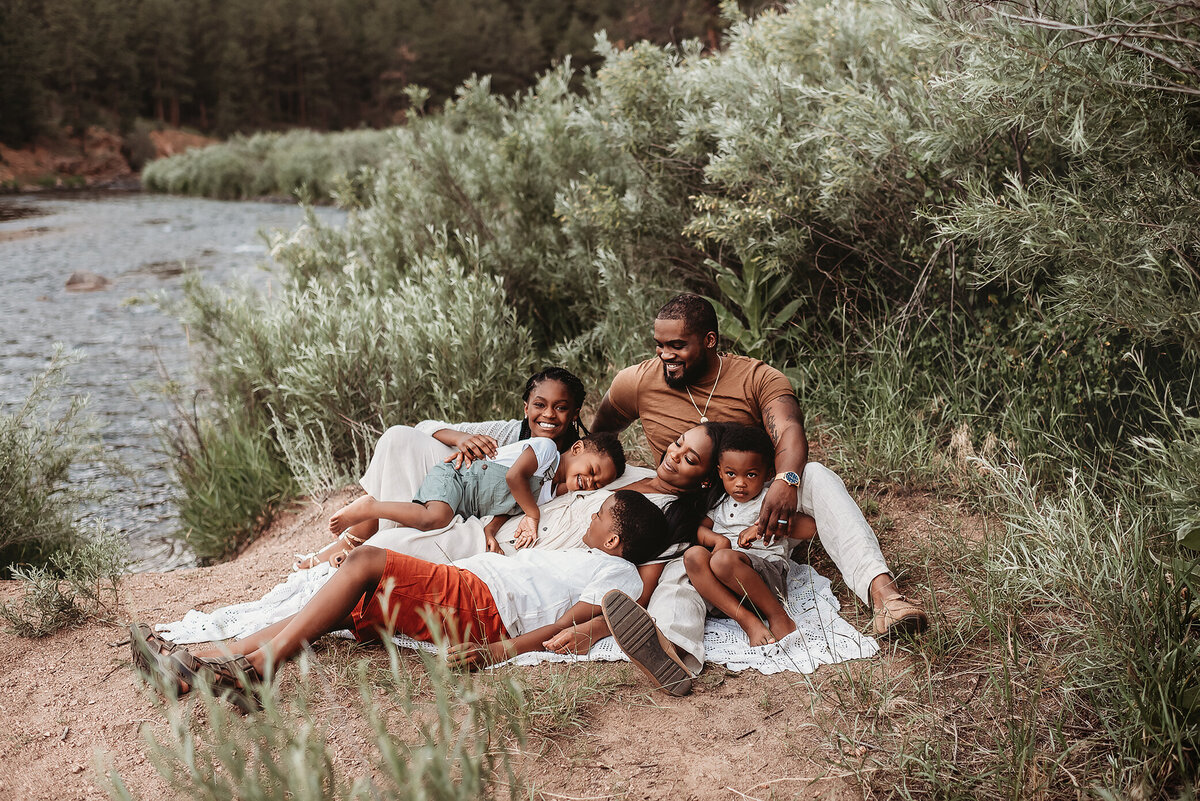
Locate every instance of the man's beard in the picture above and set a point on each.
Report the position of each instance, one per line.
(689, 376)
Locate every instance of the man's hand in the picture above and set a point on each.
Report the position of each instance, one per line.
(569, 641)
(491, 544)
(474, 446)
(526, 532)
(778, 508)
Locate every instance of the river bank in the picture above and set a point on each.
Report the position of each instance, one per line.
(132, 250)
(96, 158)
(70, 703)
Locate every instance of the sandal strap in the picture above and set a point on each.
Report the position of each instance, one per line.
(221, 674)
(350, 539)
(230, 669)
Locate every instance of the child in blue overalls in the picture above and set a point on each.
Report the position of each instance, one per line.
(517, 479)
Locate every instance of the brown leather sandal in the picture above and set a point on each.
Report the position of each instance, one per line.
(230, 678)
(152, 658)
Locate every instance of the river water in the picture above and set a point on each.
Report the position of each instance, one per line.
(141, 244)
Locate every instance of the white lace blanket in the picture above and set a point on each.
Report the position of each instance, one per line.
(822, 637)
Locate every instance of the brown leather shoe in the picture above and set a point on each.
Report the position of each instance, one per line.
(634, 630)
(898, 615)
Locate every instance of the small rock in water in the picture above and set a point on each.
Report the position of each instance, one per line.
(84, 281)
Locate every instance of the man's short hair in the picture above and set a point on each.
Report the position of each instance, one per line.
(640, 524)
(698, 315)
(747, 439)
(609, 444)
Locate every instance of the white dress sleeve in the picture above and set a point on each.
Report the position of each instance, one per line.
(504, 432)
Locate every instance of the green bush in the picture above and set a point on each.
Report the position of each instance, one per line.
(297, 163)
(322, 362)
(77, 584)
(39, 443)
(231, 482)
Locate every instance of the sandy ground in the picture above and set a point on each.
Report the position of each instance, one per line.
(70, 705)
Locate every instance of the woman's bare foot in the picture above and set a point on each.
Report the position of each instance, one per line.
(756, 631)
(335, 553)
(782, 627)
(353, 513)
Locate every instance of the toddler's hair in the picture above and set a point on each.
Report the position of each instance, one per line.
(575, 389)
(608, 444)
(640, 524)
(748, 439)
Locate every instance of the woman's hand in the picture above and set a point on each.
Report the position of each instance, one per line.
(472, 447)
(526, 532)
(569, 641)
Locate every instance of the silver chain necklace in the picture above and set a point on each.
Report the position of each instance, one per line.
(703, 414)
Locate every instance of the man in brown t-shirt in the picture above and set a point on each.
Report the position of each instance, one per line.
(688, 382)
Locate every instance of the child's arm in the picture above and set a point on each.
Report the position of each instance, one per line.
(526, 533)
(471, 655)
(579, 638)
(518, 483)
(709, 538)
(467, 447)
(489, 533)
(749, 535)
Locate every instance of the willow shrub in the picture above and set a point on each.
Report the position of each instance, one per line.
(40, 441)
(297, 163)
(324, 361)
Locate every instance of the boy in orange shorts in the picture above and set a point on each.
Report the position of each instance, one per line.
(490, 605)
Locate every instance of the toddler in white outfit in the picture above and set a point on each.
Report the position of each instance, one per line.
(733, 568)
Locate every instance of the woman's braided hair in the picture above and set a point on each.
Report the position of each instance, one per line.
(575, 389)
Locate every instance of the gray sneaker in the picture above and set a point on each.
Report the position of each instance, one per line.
(644, 644)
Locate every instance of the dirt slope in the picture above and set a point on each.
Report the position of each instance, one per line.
(70, 702)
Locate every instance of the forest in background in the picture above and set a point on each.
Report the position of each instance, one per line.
(225, 66)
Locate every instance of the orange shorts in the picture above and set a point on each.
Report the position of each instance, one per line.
(414, 593)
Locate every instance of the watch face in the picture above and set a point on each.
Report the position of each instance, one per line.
(791, 477)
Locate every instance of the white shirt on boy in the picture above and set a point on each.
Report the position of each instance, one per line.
(534, 587)
(730, 518)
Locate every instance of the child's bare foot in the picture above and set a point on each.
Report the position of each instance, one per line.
(756, 631)
(782, 627)
(352, 514)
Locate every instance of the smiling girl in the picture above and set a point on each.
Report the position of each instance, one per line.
(403, 456)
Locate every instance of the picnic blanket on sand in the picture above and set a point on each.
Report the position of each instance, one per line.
(822, 637)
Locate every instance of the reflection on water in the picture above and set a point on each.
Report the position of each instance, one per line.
(140, 243)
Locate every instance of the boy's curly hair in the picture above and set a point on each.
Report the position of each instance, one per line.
(747, 439)
(609, 444)
(640, 524)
